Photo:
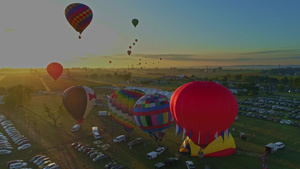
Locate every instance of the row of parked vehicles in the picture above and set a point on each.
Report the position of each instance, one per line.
(20, 140)
(44, 162)
(95, 154)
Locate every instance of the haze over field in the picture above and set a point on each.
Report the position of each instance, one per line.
(195, 33)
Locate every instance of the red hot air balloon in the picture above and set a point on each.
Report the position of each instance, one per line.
(204, 110)
(129, 47)
(55, 69)
(110, 61)
(136, 40)
(79, 101)
(129, 52)
(79, 16)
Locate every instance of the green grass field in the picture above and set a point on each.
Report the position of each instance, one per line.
(46, 138)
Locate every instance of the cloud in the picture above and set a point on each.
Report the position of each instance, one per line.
(267, 52)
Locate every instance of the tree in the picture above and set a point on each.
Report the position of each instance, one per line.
(54, 115)
(238, 77)
(18, 95)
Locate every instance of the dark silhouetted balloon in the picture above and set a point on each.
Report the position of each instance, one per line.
(129, 52)
(79, 101)
(135, 22)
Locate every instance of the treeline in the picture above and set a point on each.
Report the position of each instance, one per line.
(16, 95)
(121, 76)
(283, 71)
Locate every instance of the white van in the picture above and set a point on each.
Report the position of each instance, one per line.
(151, 155)
(119, 139)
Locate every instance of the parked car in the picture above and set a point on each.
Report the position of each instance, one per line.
(75, 128)
(135, 142)
(279, 145)
(190, 165)
(13, 161)
(75, 144)
(17, 165)
(24, 146)
(42, 161)
(51, 166)
(39, 159)
(160, 150)
(44, 164)
(35, 157)
(110, 165)
(171, 161)
(119, 139)
(100, 157)
(95, 154)
(5, 152)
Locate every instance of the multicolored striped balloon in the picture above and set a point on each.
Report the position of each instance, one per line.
(152, 114)
(79, 16)
(121, 105)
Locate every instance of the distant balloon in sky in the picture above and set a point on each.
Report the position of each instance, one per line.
(79, 16)
(160, 59)
(55, 69)
(133, 43)
(129, 47)
(129, 52)
(110, 61)
(135, 22)
(79, 101)
(136, 40)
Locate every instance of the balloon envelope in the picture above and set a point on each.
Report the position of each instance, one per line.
(55, 69)
(79, 101)
(152, 114)
(79, 16)
(204, 110)
(135, 22)
(129, 52)
(121, 104)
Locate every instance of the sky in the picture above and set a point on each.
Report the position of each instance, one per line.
(34, 33)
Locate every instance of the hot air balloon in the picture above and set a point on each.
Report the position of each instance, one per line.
(135, 22)
(122, 103)
(152, 114)
(160, 58)
(129, 47)
(204, 110)
(79, 101)
(133, 43)
(136, 40)
(79, 16)
(55, 69)
(110, 61)
(129, 52)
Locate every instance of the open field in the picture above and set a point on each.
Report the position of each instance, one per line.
(46, 138)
